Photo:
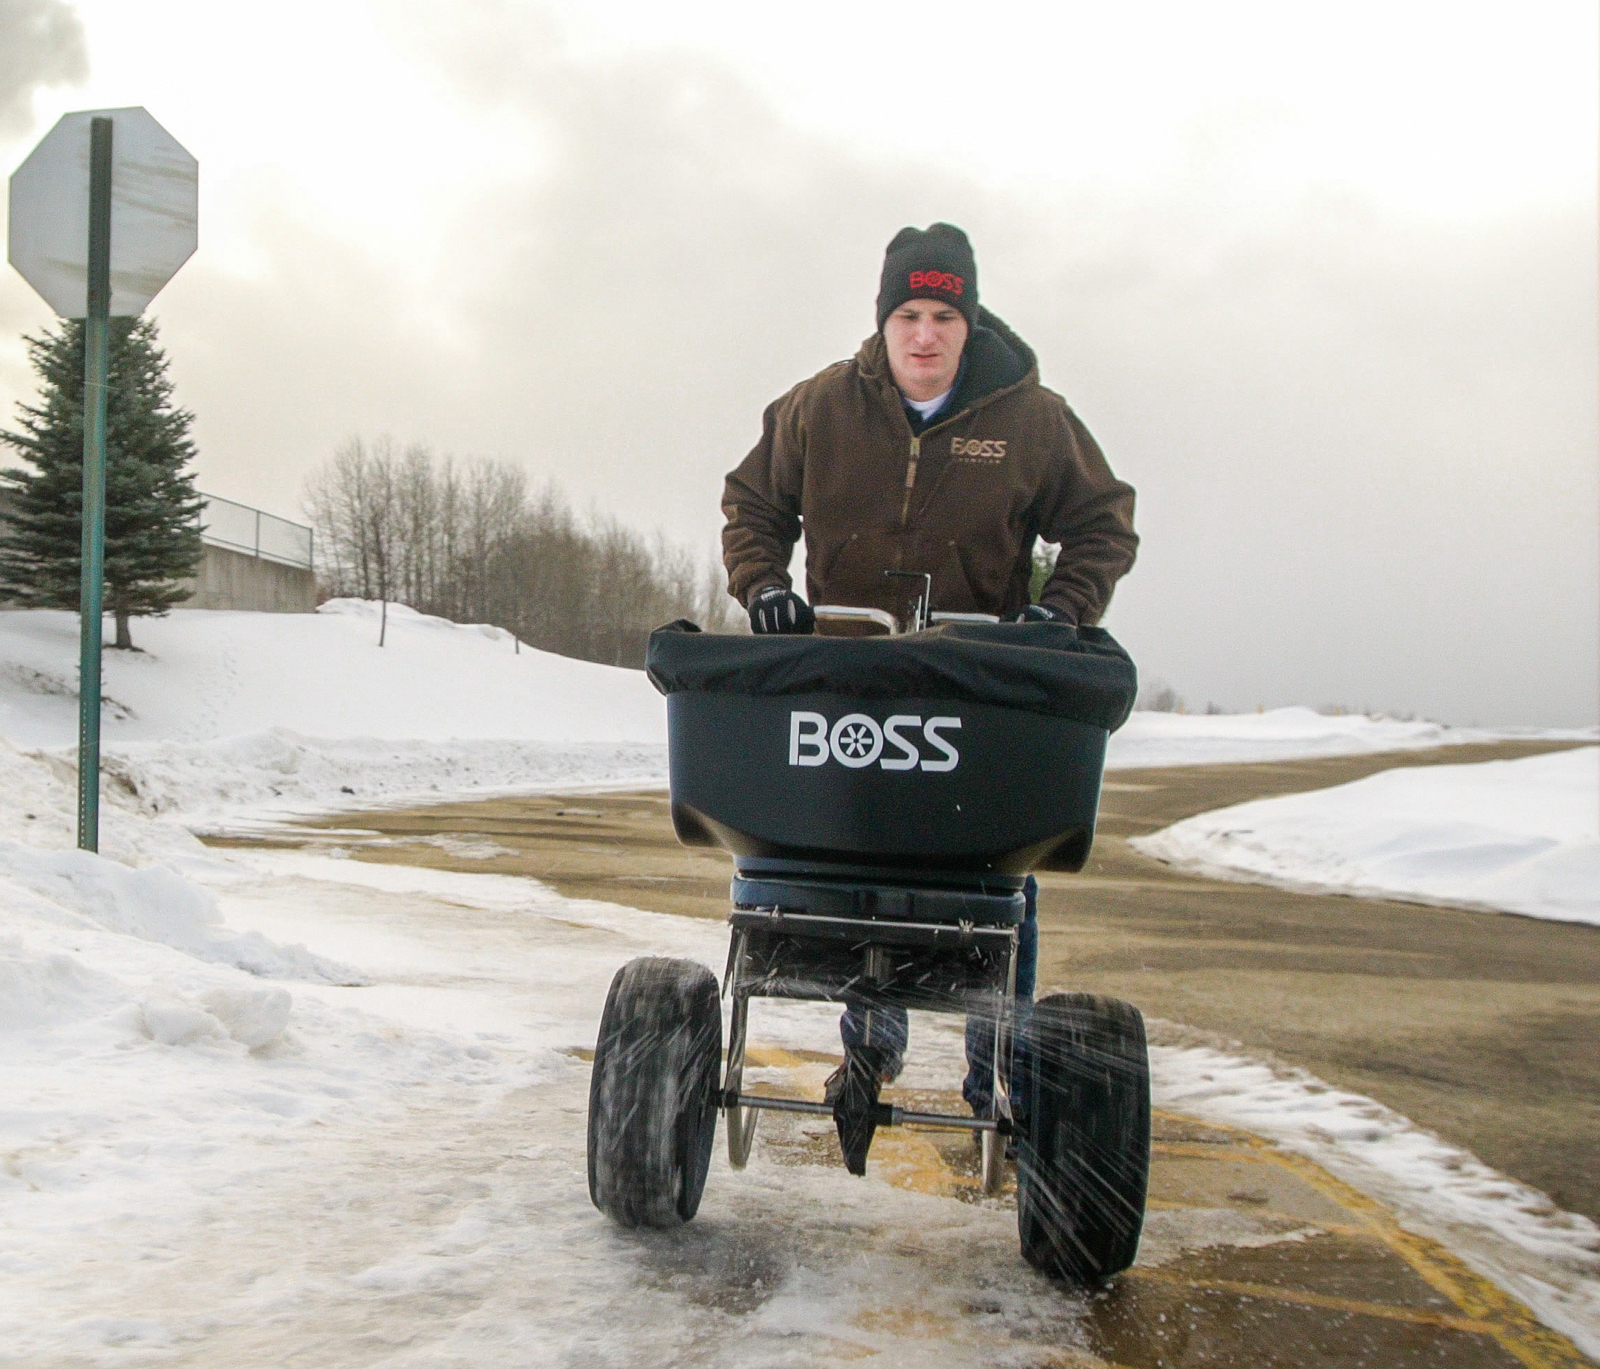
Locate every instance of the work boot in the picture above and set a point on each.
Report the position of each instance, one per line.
(890, 1064)
(852, 1090)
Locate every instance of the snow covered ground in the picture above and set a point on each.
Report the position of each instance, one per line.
(229, 714)
(1284, 734)
(1518, 836)
(253, 1106)
(235, 713)
(202, 675)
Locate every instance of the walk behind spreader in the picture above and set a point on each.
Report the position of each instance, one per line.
(884, 799)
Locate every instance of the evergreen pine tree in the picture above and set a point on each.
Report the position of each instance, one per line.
(152, 510)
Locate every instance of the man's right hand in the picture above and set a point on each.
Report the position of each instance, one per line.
(781, 610)
(1038, 613)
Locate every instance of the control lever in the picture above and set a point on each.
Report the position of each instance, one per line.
(924, 603)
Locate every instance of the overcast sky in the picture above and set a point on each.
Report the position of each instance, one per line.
(1321, 281)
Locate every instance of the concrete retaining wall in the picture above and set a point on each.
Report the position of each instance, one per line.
(231, 579)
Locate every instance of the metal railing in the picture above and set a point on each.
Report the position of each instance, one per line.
(238, 527)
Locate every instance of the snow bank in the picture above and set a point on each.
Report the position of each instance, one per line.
(134, 889)
(226, 713)
(280, 770)
(223, 714)
(40, 811)
(42, 988)
(203, 675)
(1517, 836)
(1282, 734)
(80, 888)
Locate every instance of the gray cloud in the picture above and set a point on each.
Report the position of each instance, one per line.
(1367, 460)
(41, 44)
(1364, 447)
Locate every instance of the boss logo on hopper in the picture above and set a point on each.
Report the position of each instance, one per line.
(907, 741)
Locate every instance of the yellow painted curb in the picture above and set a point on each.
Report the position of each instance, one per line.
(1489, 1309)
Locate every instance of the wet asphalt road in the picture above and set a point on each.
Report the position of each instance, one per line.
(1483, 1027)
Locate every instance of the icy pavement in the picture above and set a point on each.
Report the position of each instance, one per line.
(1518, 836)
(396, 1175)
(200, 1172)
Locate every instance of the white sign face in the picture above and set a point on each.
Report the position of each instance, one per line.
(155, 196)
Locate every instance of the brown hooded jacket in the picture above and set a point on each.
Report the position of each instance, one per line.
(963, 500)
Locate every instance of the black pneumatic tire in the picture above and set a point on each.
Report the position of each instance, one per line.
(1083, 1155)
(654, 1092)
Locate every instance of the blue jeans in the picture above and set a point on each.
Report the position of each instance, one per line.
(887, 1026)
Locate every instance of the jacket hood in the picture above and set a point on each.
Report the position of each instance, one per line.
(996, 359)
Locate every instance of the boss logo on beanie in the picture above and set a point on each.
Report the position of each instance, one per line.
(942, 281)
(935, 262)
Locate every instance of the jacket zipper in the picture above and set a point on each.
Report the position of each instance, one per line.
(916, 446)
(911, 479)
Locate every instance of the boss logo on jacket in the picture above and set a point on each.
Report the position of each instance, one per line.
(987, 451)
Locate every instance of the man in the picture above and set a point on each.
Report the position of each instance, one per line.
(934, 450)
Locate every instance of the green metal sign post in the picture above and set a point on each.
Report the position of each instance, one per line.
(91, 582)
(63, 207)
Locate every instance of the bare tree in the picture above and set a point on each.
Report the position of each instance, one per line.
(353, 502)
(468, 540)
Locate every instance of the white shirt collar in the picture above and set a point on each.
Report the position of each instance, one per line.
(928, 407)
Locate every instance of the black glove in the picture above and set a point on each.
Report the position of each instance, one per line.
(1038, 613)
(781, 610)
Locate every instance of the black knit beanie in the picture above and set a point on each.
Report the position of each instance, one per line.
(932, 263)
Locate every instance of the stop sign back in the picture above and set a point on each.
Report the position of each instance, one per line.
(155, 192)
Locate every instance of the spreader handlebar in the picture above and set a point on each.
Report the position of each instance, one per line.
(844, 613)
(841, 613)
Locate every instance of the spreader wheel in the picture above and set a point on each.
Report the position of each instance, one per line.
(1083, 1149)
(653, 1095)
